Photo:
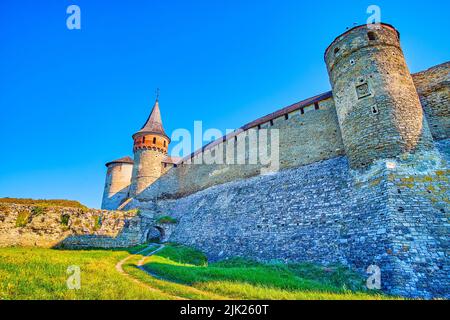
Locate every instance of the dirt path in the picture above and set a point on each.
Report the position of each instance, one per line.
(140, 265)
(119, 268)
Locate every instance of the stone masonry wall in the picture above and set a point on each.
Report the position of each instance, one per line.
(379, 111)
(395, 216)
(304, 138)
(146, 169)
(292, 215)
(117, 185)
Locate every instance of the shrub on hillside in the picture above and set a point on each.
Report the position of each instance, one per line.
(37, 211)
(23, 218)
(166, 219)
(97, 222)
(65, 220)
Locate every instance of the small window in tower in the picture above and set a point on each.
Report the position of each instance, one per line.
(375, 109)
(164, 143)
(336, 50)
(143, 139)
(372, 36)
(154, 140)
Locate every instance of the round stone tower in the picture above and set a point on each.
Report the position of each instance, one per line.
(117, 184)
(150, 149)
(378, 108)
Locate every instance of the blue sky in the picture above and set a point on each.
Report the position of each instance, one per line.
(71, 99)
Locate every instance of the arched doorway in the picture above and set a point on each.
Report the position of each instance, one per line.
(155, 234)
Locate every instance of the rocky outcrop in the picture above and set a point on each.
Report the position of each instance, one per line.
(27, 225)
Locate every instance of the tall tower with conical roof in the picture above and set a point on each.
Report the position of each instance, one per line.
(150, 149)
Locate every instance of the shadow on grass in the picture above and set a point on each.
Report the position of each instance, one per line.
(130, 250)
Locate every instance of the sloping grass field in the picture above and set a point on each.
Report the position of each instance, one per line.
(175, 272)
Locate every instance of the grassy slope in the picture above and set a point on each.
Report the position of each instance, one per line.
(41, 274)
(243, 279)
(44, 203)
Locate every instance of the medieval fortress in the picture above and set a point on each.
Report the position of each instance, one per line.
(363, 174)
(363, 177)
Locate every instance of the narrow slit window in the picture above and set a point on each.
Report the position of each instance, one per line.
(372, 36)
(375, 110)
(154, 140)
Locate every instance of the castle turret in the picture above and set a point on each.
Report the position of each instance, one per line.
(117, 184)
(150, 149)
(378, 108)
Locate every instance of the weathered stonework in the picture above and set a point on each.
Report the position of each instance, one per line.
(362, 182)
(433, 86)
(70, 227)
(117, 184)
(378, 108)
(146, 170)
(394, 215)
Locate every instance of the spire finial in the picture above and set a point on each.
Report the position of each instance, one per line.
(157, 94)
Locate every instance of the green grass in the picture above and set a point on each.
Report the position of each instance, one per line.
(245, 279)
(166, 219)
(44, 203)
(180, 272)
(37, 211)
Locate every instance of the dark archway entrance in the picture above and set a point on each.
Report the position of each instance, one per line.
(155, 234)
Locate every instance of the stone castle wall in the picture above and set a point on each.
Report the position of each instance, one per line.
(117, 185)
(379, 111)
(146, 169)
(306, 135)
(433, 86)
(326, 213)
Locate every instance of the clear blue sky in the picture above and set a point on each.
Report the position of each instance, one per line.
(70, 100)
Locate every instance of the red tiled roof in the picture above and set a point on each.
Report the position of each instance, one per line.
(121, 160)
(173, 160)
(154, 122)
